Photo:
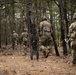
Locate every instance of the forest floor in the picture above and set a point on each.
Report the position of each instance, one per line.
(16, 62)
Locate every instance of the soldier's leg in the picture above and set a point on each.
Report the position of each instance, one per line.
(13, 44)
(23, 44)
(25, 47)
(74, 57)
(49, 51)
(44, 53)
(43, 50)
(47, 54)
(49, 47)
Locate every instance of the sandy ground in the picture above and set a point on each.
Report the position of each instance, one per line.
(17, 64)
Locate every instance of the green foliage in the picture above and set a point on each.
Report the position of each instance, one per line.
(16, 13)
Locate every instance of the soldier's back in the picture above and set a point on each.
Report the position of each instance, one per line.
(72, 26)
(72, 30)
(15, 35)
(45, 23)
(24, 34)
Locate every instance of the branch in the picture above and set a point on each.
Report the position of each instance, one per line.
(56, 3)
(9, 3)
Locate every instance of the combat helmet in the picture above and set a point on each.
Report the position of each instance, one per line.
(74, 16)
(25, 29)
(44, 18)
(13, 31)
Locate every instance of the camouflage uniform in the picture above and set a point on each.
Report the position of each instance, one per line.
(24, 37)
(72, 34)
(15, 37)
(45, 36)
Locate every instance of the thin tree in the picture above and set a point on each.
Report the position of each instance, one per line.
(61, 4)
(6, 10)
(32, 29)
(53, 33)
(0, 26)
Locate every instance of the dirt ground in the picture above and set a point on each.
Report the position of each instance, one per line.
(17, 63)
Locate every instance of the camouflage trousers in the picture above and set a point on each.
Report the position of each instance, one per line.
(45, 45)
(25, 46)
(14, 44)
(74, 57)
(73, 46)
(25, 43)
(45, 40)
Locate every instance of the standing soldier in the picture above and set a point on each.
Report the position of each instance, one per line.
(72, 34)
(15, 37)
(24, 37)
(45, 36)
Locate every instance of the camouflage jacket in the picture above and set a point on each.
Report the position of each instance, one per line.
(72, 30)
(45, 28)
(24, 36)
(15, 36)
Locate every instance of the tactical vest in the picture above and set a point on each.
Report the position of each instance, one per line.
(15, 36)
(46, 28)
(24, 36)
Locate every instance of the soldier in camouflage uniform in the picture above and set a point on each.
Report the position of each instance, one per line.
(24, 37)
(72, 34)
(45, 36)
(15, 37)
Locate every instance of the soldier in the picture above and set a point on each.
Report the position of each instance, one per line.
(15, 37)
(24, 37)
(72, 34)
(45, 35)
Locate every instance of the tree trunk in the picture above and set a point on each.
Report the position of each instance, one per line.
(12, 17)
(53, 34)
(62, 27)
(65, 17)
(0, 27)
(6, 24)
(32, 29)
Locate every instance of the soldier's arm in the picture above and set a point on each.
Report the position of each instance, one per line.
(17, 36)
(21, 36)
(40, 28)
(27, 34)
(71, 29)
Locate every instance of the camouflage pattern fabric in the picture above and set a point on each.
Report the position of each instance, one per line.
(15, 40)
(24, 37)
(15, 36)
(74, 57)
(45, 39)
(72, 34)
